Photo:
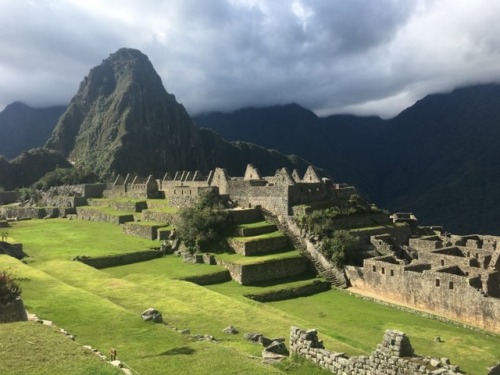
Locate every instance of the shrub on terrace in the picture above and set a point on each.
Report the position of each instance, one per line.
(338, 246)
(203, 223)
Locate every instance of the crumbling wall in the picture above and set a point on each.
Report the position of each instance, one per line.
(393, 356)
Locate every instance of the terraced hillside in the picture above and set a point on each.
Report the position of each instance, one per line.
(102, 307)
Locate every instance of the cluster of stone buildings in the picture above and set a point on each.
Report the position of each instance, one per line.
(277, 194)
(454, 276)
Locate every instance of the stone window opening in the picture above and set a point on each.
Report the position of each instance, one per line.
(374, 269)
(392, 272)
(383, 271)
(451, 284)
(438, 283)
(442, 262)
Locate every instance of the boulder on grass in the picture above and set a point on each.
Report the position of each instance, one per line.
(152, 314)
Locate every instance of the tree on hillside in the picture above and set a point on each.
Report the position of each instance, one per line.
(203, 223)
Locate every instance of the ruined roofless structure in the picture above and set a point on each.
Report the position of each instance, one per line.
(277, 194)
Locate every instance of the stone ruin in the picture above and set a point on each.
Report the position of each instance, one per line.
(455, 276)
(393, 356)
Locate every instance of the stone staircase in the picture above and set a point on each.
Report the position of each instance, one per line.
(328, 274)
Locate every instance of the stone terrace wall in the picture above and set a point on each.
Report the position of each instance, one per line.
(29, 212)
(92, 214)
(394, 356)
(13, 312)
(213, 278)
(120, 259)
(259, 245)
(316, 286)
(158, 216)
(142, 230)
(254, 273)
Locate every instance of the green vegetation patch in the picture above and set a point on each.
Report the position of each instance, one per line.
(171, 267)
(65, 239)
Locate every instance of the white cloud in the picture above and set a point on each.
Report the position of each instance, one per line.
(329, 55)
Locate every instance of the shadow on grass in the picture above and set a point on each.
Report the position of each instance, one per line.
(183, 350)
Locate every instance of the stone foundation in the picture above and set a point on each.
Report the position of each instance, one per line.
(394, 356)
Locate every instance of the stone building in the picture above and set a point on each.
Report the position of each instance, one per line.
(454, 276)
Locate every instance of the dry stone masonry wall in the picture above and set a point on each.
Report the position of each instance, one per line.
(393, 356)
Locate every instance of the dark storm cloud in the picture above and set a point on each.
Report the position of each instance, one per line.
(359, 56)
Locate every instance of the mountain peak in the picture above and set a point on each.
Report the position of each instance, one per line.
(123, 120)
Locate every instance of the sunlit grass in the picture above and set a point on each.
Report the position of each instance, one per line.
(102, 307)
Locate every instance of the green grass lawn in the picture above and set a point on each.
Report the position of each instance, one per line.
(65, 239)
(102, 308)
(62, 356)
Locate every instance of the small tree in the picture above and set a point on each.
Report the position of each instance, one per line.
(203, 223)
(9, 289)
(337, 247)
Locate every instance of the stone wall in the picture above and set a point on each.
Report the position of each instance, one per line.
(93, 214)
(245, 215)
(444, 290)
(249, 274)
(12, 249)
(316, 286)
(13, 312)
(120, 259)
(322, 262)
(393, 356)
(158, 216)
(259, 245)
(142, 230)
(213, 278)
(249, 194)
(21, 213)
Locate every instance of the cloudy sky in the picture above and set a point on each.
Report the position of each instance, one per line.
(332, 56)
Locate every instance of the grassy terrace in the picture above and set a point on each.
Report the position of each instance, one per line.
(276, 234)
(258, 224)
(102, 307)
(241, 259)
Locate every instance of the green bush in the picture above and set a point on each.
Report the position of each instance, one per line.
(9, 289)
(338, 246)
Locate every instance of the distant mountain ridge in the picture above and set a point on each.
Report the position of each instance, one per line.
(438, 158)
(122, 120)
(23, 127)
